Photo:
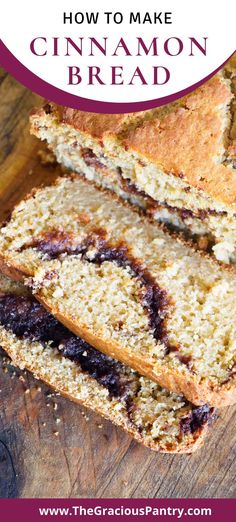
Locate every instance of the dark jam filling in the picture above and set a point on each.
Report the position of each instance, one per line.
(27, 318)
(196, 419)
(154, 300)
(108, 372)
(91, 159)
(94, 248)
(55, 243)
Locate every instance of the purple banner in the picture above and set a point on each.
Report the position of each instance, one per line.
(52, 93)
(33, 510)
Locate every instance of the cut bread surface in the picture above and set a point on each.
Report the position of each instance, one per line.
(35, 340)
(181, 155)
(128, 288)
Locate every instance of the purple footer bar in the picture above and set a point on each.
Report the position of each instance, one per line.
(33, 510)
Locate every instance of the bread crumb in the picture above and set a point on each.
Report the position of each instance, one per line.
(203, 243)
(46, 158)
(58, 420)
(56, 433)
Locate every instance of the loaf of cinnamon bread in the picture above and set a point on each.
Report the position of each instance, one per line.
(35, 340)
(177, 162)
(127, 287)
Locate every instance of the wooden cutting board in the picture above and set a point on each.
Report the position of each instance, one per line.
(50, 447)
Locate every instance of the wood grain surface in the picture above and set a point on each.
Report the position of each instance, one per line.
(50, 447)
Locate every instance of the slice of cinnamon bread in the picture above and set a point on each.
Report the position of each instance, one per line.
(178, 161)
(127, 287)
(35, 340)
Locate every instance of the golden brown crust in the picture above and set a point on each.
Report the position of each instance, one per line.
(12, 270)
(186, 141)
(91, 123)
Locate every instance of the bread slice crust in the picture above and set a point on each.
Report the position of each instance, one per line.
(182, 156)
(68, 378)
(167, 136)
(176, 377)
